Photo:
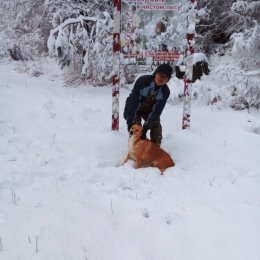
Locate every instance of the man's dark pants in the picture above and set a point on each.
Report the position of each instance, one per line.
(155, 129)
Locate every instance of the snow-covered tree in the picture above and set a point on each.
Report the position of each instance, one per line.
(25, 26)
(82, 39)
(246, 44)
(231, 28)
(246, 48)
(219, 19)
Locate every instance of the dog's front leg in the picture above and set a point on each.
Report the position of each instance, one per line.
(138, 163)
(126, 158)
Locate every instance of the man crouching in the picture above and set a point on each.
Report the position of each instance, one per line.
(147, 101)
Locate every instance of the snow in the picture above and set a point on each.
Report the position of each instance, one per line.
(199, 57)
(244, 6)
(65, 195)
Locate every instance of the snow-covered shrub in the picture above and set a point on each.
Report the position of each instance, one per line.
(32, 68)
(247, 8)
(82, 40)
(219, 19)
(24, 26)
(229, 85)
(246, 48)
(230, 29)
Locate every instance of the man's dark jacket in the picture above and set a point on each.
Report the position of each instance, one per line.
(141, 91)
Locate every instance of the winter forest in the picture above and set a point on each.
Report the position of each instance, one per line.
(77, 34)
(65, 191)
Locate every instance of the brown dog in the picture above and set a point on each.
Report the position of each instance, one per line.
(146, 153)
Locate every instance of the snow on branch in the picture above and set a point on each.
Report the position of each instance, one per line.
(81, 19)
(83, 44)
(246, 8)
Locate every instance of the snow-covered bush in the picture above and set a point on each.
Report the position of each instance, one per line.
(219, 19)
(24, 26)
(246, 45)
(228, 85)
(82, 40)
(246, 48)
(230, 29)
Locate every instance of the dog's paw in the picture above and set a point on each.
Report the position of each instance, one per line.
(137, 165)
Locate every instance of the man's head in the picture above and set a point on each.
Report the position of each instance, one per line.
(162, 74)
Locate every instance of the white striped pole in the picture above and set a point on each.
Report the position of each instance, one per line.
(116, 65)
(189, 64)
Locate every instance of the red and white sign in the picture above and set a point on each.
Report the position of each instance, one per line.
(153, 31)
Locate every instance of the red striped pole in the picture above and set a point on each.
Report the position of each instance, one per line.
(116, 65)
(190, 36)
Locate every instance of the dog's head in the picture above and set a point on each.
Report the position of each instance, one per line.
(136, 131)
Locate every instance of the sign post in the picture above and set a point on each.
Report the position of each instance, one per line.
(116, 65)
(189, 64)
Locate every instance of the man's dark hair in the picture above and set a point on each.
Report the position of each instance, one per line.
(164, 69)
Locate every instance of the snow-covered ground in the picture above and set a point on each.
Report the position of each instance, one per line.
(64, 194)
